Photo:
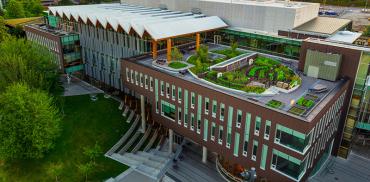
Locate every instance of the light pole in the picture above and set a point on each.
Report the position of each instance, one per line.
(250, 175)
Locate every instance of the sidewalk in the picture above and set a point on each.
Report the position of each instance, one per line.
(78, 87)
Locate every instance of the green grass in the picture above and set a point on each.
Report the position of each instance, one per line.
(177, 65)
(85, 122)
(274, 103)
(228, 53)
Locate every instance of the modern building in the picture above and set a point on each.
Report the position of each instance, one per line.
(128, 47)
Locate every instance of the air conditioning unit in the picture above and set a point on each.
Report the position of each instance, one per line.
(253, 157)
(213, 138)
(220, 141)
(192, 127)
(267, 136)
(277, 140)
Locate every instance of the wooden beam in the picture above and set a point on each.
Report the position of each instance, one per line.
(169, 50)
(155, 49)
(197, 41)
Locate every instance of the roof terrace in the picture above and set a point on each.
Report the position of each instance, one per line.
(303, 99)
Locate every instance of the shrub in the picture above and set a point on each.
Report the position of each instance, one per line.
(177, 65)
(254, 89)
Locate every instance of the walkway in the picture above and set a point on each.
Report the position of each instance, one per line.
(78, 87)
(355, 169)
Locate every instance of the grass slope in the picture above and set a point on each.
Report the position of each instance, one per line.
(85, 122)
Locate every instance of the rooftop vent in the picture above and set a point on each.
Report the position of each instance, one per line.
(163, 7)
(196, 11)
(318, 88)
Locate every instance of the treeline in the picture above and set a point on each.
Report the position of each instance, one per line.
(348, 3)
(23, 8)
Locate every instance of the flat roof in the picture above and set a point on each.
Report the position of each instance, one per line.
(323, 25)
(22, 21)
(285, 98)
(345, 36)
(270, 3)
(158, 23)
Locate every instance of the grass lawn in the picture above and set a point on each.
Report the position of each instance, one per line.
(177, 65)
(85, 123)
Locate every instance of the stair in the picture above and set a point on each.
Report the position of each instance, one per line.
(142, 140)
(129, 143)
(130, 117)
(152, 140)
(121, 105)
(125, 112)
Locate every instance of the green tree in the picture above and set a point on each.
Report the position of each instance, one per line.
(3, 30)
(202, 53)
(14, 9)
(86, 169)
(93, 152)
(29, 123)
(234, 47)
(55, 170)
(367, 31)
(176, 55)
(32, 8)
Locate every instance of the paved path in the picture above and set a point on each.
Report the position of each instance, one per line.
(354, 169)
(78, 87)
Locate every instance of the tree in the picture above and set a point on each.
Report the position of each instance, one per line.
(367, 31)
(29, 123)
(176, 55)
(3, 30)
(93, 152)
(55, 170)
(202, 53)
(234, 47)
(32, 7)
(86, 169)
(14, 9)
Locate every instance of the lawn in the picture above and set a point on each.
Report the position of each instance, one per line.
(85, 122)
(274, 104)
(177, 65)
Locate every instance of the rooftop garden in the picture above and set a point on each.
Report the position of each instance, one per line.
(252, 74)
(177, 65)
(304, 104)
(275, 104)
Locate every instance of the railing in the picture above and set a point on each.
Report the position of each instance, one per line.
(223, 172)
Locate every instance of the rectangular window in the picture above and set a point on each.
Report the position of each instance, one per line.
(254, 150)
(213, 130)
(288, 165)
(214, 108)
(136, 78)
(162, 88)
(146, 81)
(173, 92)
(239, 118)
(179, 94)
(199, 114)
(229, 126)
(127, 74)
(132, 76)
(192, 102)
(257, 125)
(267, 130)
(236, 144)
(192, 121)
(151, 84)
(220, 134)
(156, 96)
(292, 139)
(246, 133)
(168, 110)
(179, 115)
(206, 105)
(205, 130)
(141, 80)
(167, 90)
(186, 108)
(222, 111)
(264, 157)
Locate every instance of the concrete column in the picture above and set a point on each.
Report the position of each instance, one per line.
(204, 157)
(143, 128)
(169, 50)
(170, 136)
(155, 49)
(197, 41)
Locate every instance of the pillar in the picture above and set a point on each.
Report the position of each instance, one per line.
(169, 50)
(170, 138)
(204, 157)
(197, 41)
(155, 49)
(142, 113)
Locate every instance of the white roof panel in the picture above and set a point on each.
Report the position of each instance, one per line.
(160, 24)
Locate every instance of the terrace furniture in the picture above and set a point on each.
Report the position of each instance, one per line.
(285, 86)
(318, 88)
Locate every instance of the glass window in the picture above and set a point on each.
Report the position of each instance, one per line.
(185, 120)
(179, 94)
(222, 111)
(162, 88)
(206, 105)
(254, 151)
(179, 115)
(141, 80)
(192, 121)
(288, 165)
(186, 108)
(257, 125)
(213, 130)
(127, 74)
(291, 138)
(239, 118)
(151, 83)
(246, 133)
(264, 157)
(236, 144)
(220, 134)
(214, 108)
(156, 96)
(192, 102)
(168, 90)
(173, 92)
(267, 129)
(168, 110)
(229, 126)
(137, 78)
(132, 76)
(205, 130)
(146, 81)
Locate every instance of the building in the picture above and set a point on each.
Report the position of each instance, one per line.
(286, 132)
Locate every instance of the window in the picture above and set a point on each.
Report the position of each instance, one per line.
(214, 108)
(220, 134)
(254, 151)
(267, 130)
(198, 126)
(173, 92)
(132, 76)
(151, 84)
(186, 108)
(264, 157)
(205, 130)
(167, 90)
(179, 94)
(127, 74)
(292, 139)
(185, 120)
(168, 110)
(146, 81)
(199, 113)
(257, 126)
(229, 126)
(141, 80)
(239, 118)
(206, 105)
(179, 115)
(156, 96)
(162, 88)
(288, 165)
(213, 130)
(236, 144)
(192, 102)
(192, 121)
(222, 111)
(246, 133)
(136, 78)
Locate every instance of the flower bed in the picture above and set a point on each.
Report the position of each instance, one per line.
(275, 104)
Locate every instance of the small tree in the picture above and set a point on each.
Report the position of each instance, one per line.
(3, 30)
(176, 54)
(86, 169)
(55, 170)
(202, 53)
(234, 47)
(14, 9)
(93, 152)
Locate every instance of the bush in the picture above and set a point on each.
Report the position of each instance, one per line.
(177, 65)
(305, 102)
(254, 89)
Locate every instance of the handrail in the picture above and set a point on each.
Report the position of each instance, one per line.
(152, 140)
(225, 173)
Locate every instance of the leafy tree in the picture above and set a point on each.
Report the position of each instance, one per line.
(176, 55)
(367, 31)
(93, 152)
(234, 47)
(32, 7)
(55, 170)
(86, 169)
(14, 9)
(3, 30)
(202, 53)
(29, 123)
